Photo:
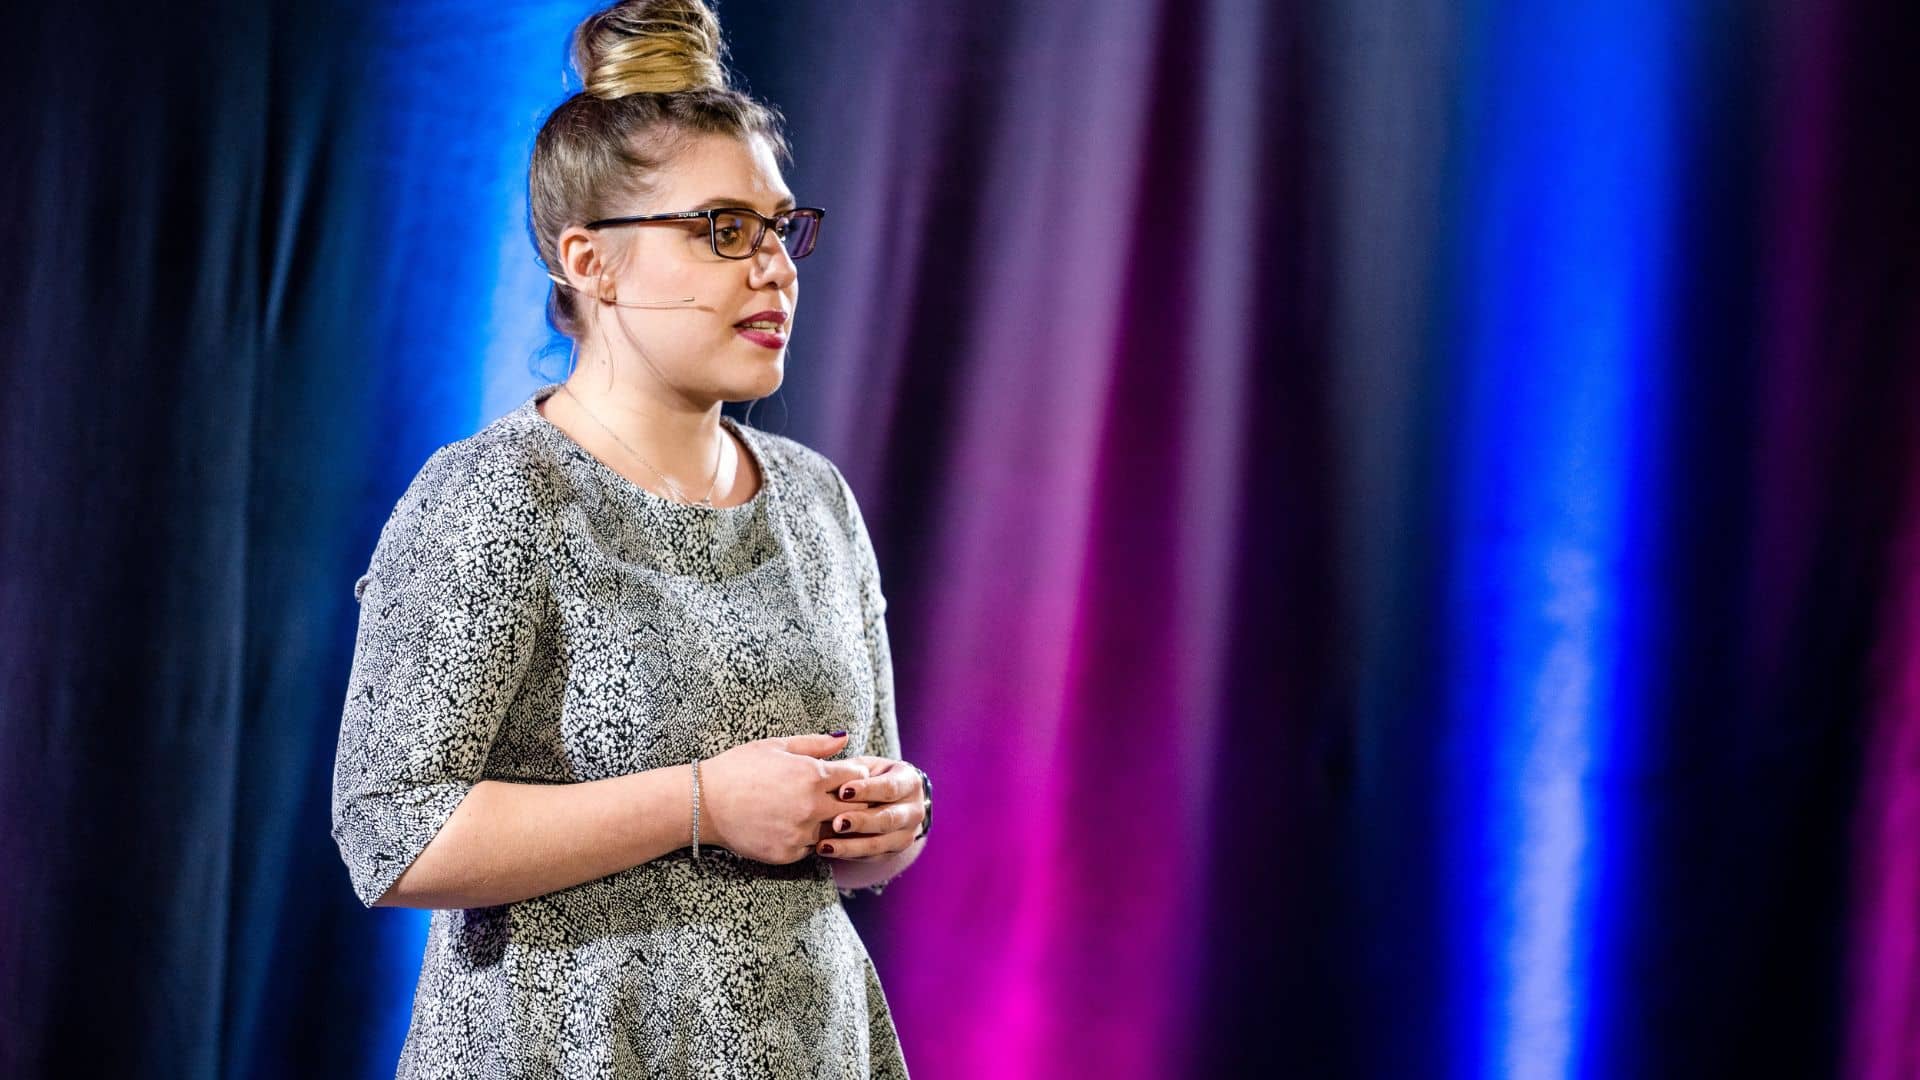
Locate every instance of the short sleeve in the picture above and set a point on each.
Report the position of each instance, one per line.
(449, 608)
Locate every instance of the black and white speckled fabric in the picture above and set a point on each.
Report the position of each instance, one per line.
(531, 615)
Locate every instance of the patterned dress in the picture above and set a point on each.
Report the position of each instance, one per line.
(531, 615)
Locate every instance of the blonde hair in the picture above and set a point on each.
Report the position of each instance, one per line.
(653, 75)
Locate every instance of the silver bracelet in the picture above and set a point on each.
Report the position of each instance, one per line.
(696, 809)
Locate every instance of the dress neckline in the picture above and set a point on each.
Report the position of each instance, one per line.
(625, 483)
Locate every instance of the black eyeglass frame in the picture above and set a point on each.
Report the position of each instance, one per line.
(713, 229)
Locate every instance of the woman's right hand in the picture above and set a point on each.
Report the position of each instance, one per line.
(764, 800)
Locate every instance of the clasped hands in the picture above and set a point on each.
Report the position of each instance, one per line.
(883, 814)
(782, 799)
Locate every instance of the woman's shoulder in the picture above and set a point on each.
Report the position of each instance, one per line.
(478, 501)
(496, 479)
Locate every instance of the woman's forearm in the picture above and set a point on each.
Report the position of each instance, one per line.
(860, 873)
(508, 841)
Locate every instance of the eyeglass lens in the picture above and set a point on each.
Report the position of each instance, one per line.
(733, 233)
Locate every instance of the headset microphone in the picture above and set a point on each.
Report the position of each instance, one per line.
(651, 303)
(623, 303)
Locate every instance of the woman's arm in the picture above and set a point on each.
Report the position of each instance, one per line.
(508, 841)
(763, 800)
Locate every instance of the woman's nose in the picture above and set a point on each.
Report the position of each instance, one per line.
(772, 263)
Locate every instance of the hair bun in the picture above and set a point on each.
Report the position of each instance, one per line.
(649, 47)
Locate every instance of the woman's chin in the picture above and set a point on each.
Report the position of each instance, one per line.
(763, 383)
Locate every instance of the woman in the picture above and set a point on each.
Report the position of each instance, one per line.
(597, 639)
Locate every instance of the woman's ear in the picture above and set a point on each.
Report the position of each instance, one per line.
(580, 262)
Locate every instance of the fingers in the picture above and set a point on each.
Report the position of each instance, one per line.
(819, 746)
(836, 775)
(832, 772)
(895, 784)
(879, 820)
(860, 846)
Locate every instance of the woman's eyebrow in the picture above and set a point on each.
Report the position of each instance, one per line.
(735, 200)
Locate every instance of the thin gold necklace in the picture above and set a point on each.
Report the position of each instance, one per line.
(681, 496)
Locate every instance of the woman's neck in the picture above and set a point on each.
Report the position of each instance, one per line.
(648, 437)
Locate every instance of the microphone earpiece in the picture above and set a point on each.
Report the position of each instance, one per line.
(651, 303)
(623, 303)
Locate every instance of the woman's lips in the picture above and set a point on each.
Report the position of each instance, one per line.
(765, 338)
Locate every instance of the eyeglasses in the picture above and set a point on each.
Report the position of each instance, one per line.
(736, 231)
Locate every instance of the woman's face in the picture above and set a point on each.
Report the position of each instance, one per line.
(696, 350)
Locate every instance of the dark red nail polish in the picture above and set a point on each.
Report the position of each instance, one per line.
(826, 849)
(846, 793)
(842, 825)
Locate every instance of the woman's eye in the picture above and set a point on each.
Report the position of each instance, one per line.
(728, 235)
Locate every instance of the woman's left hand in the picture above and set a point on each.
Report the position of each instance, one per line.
(882, 815)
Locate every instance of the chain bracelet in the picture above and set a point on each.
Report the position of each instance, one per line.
(696, 809)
